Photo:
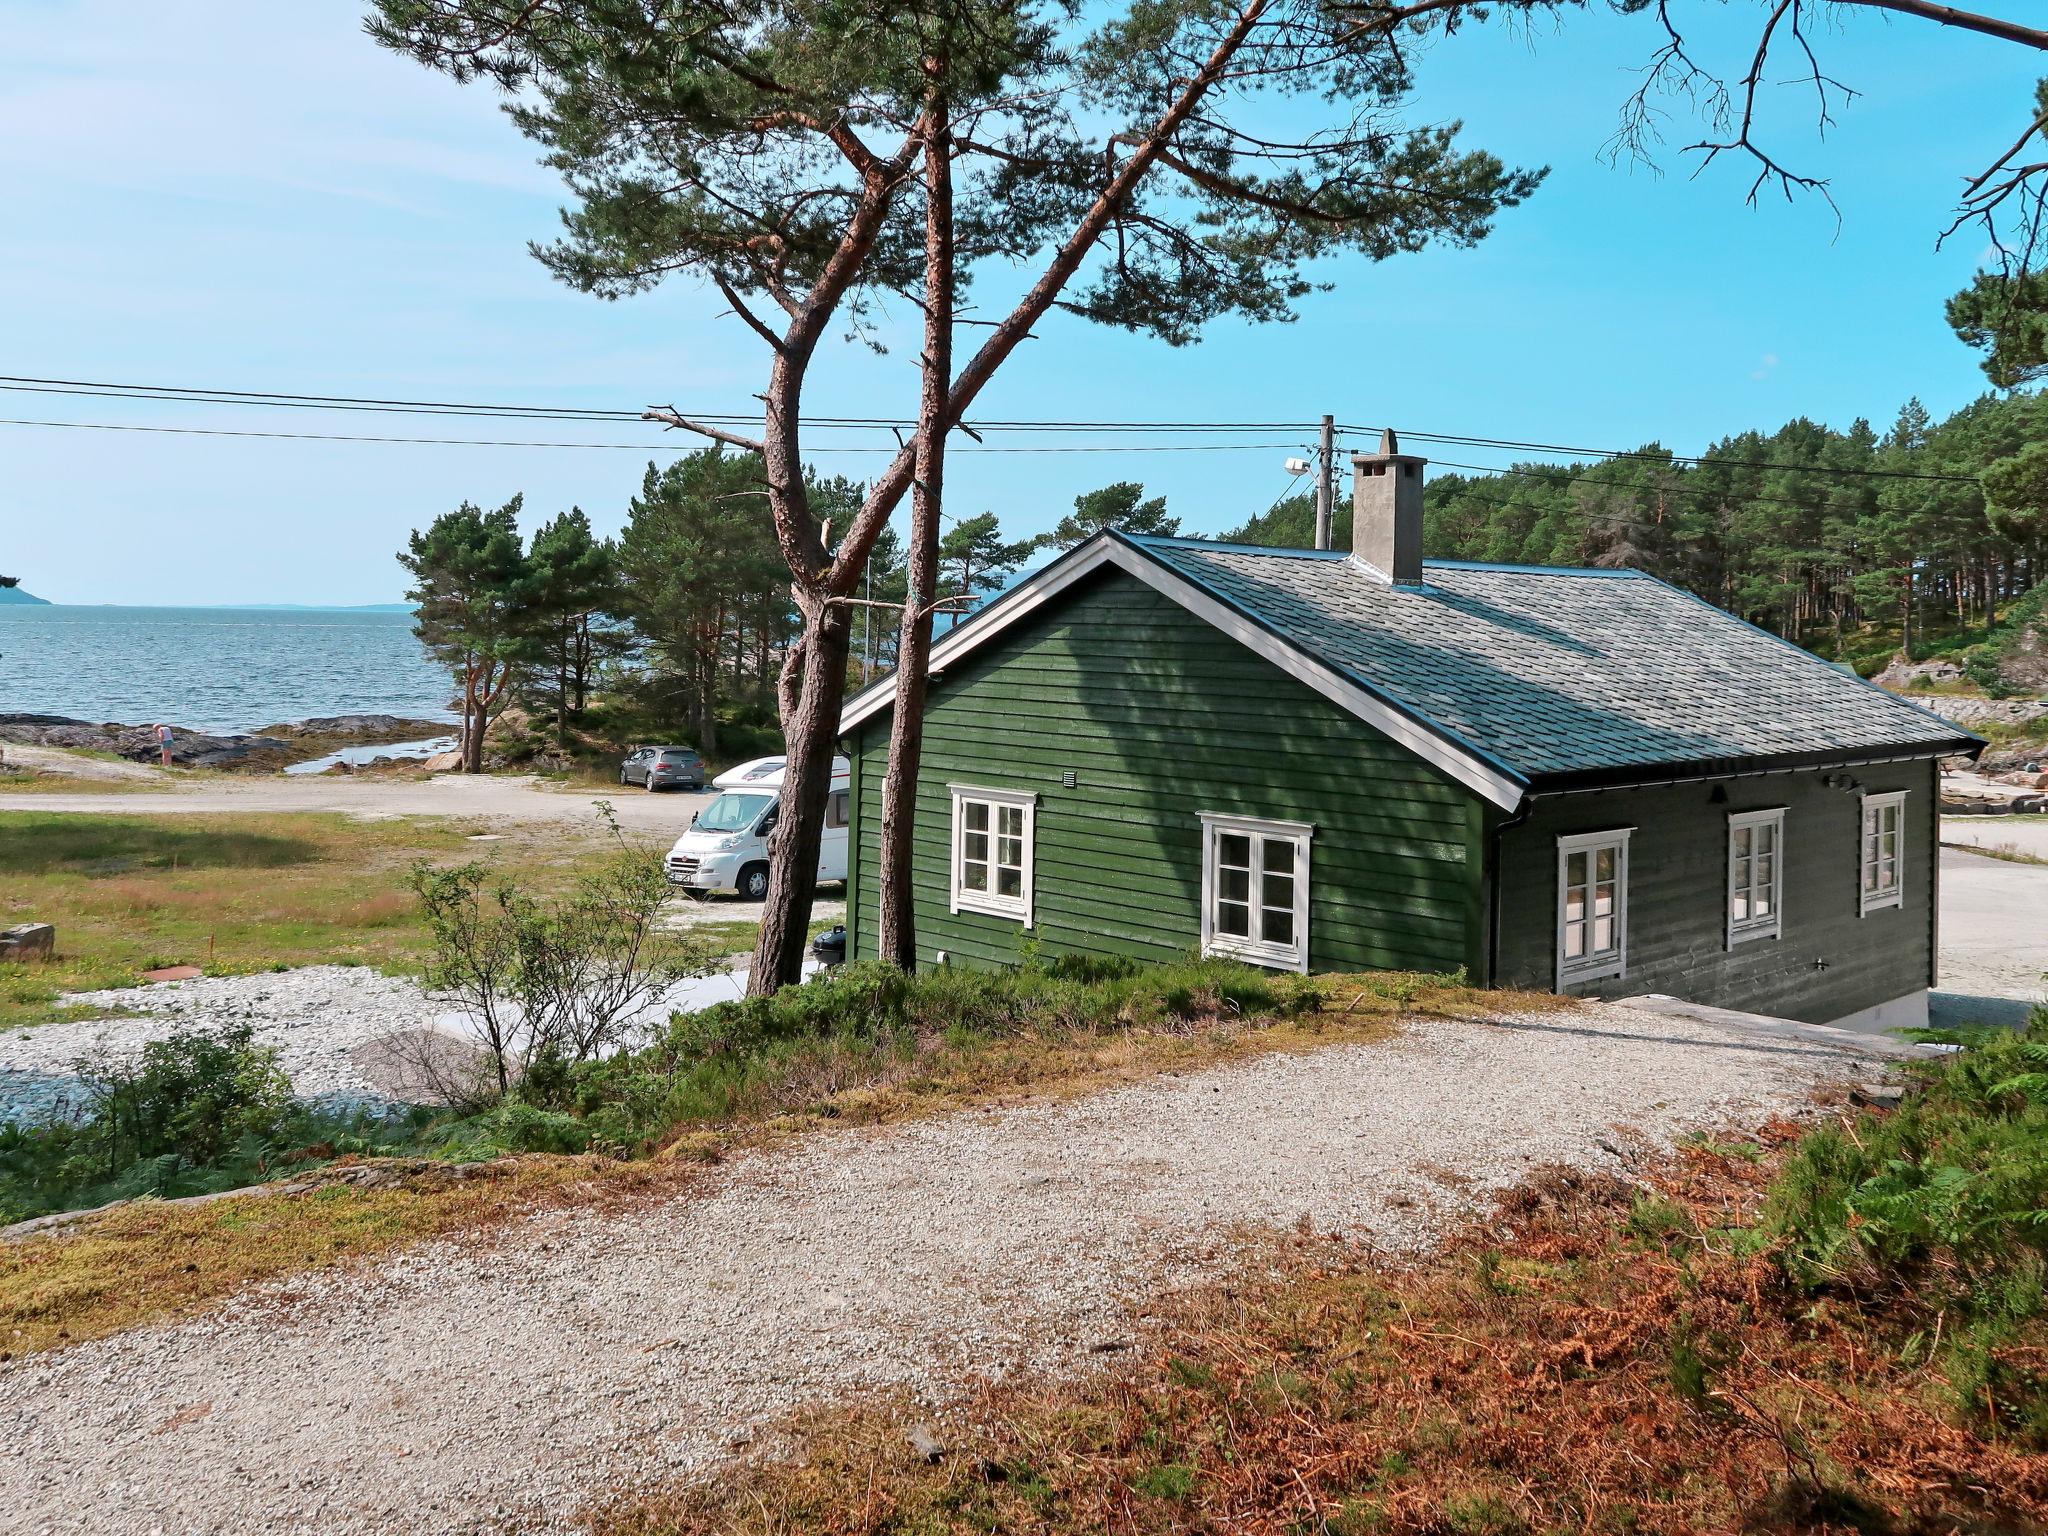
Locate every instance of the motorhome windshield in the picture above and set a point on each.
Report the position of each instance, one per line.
(733, 813)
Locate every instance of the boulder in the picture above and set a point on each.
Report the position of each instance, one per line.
(1901, 674)
(1968, 710)
(28, 941)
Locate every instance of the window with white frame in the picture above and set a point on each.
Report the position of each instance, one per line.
(1756, 875)
(1255, 890)
(1592, 905)
(992, 836)
(1883, 882)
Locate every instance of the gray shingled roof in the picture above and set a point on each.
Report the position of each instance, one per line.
(1561, 673)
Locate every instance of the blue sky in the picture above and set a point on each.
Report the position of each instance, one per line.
(249, 195)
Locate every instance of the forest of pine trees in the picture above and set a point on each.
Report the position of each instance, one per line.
(1788, 528)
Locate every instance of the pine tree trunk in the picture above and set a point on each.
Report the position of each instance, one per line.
(471, 729)
(562, 685)
(913, 647)
(810, 729)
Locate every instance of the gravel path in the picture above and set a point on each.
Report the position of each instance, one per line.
(486, 797)
(462, 1385)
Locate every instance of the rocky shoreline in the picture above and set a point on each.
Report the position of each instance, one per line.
(272, 747)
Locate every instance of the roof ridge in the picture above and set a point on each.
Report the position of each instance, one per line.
(1295, 552)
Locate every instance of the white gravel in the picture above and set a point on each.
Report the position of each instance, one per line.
(461, 1385)
(323, 1021)
(315, 1017)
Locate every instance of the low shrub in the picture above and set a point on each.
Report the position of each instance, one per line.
(511, 1127)
(192, 1114)
(764, 1053)
(1942, 1206)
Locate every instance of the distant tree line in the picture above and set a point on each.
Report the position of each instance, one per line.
(1824, 536)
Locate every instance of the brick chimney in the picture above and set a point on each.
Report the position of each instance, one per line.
(1386, 511)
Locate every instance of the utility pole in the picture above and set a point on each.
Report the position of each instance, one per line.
(1326, 478)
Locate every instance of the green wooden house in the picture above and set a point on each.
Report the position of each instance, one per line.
(1585, 780)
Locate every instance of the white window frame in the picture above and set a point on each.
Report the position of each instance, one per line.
(1252, 949)
(988, 902)
(1873, 808)
(1753, 927)
(1605, 964)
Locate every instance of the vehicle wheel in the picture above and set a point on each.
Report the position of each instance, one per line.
(754, 882)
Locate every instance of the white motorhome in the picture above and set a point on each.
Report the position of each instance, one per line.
(726, 849)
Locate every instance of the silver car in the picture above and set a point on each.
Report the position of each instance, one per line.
(663, 768)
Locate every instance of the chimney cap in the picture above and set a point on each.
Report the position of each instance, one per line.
(1389, 451)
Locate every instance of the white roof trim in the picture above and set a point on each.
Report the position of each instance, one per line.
(1473, 772)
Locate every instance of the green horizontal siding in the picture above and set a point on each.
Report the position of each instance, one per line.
(1829, 961)
(1159, 718)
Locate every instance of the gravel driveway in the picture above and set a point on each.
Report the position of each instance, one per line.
(485, 797)
(461, 1385)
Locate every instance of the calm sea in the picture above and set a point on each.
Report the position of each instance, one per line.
(214, 669)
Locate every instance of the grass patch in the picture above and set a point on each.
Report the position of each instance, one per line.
(48, 782)
(154, 1260)
(2009, 853)
(1826, 1329)
(234, 894)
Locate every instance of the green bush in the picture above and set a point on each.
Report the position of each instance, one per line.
(192, 1114)
(1945, 1199)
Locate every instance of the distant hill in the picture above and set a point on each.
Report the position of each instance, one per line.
(16, 595)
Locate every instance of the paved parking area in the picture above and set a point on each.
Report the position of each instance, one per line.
(1994, 938)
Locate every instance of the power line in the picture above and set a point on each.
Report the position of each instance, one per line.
(654, 447)
(184, 394)
(206, 395)
(1677, 458)
(1557, 475)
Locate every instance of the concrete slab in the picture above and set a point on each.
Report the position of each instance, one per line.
(1758, 1026)
(1994, 939)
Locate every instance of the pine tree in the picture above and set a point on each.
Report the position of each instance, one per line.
(472, 587)
(573, 591)
(1122, 506)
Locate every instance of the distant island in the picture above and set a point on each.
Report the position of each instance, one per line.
(16, 595)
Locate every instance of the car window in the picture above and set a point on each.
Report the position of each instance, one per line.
(835, 809)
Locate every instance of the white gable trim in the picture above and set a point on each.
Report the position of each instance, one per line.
(1466, 768)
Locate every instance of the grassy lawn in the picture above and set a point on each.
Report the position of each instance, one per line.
(233, 894)
(76, 784)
